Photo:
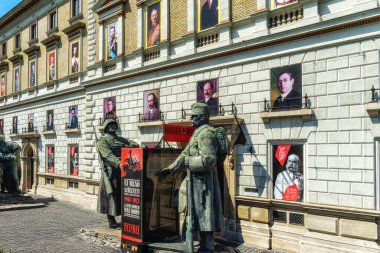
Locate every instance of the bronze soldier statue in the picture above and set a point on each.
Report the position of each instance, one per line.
(200, 157)
(9, 163)
(109, 149)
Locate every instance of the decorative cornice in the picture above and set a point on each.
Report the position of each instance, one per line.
(74, 28)
(15, 58)
(32, 50)
(51, 39)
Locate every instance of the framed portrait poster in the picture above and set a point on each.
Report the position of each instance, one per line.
(50, 120)
(14, 125)
(51, 62)
(31, 122)
(208, 14)
(153, 21)
(32, 73)
(151, 105)
(73, 116)
(74, 160)
(17, 79)
(1, 126)
(111, 40)
(74, 57)
(288, 172)
(3, 80)
(286, 87)
(207, 92)
(50, 155)
(109, 108)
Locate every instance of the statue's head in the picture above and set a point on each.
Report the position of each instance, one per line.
(200, 114)
(110, 126)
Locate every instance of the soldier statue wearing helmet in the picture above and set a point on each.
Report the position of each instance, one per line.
(109, 148)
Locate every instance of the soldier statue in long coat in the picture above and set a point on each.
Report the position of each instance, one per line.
(109, 148)
(200, 156)
(10, 166)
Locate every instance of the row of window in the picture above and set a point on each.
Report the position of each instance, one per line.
(52, 23)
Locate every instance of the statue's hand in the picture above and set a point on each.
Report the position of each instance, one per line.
(164, 172)
(9, 157)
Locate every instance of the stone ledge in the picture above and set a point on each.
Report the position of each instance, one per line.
(304, 113)
(373, 109)
(48, 132)
(72, 131)
(321, 224)
(358, 229)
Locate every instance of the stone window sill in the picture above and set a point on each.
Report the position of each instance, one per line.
(304, 113)
(48, 132)
(72, 131)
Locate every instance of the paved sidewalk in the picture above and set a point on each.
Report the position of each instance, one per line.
(38, 224)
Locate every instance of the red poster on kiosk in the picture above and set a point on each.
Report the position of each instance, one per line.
(132, 176)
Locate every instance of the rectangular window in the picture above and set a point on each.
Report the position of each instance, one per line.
(76, 7)
(17, 41)
(4, 49)
(288, 172)
(50, 181)
(50, 155)
(52, 20)
(33, 32)
(74, 160)
(73, 184)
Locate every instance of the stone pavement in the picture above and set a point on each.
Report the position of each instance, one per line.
(32, 223)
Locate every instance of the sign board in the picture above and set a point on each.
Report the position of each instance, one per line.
(178, 133)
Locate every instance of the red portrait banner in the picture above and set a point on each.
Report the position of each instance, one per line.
(178, 133)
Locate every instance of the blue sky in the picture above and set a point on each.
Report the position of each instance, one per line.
(7, 5)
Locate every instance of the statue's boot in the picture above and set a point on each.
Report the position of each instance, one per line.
(112, 222)
(206, 242)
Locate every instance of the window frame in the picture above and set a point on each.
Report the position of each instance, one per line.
(17, 41)
(72, 8)
(4, 49)
(35, 37)
(50, 13)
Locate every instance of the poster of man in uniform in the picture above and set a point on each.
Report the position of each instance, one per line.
(50, 120)
(50, 159)
(73, 116)
(208, 14)
(207, 92)
(111, 41)
(74, 160)
(109, 108)
(286, 87)
(14, 125)
(74, 57)
(288, 180)
(17, 79)
(3, 85)
(153, 24)
(32, 73)
(151, 105)
(31, 122)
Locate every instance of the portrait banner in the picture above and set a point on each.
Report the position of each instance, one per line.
(31, 122)
(112, 40)
(286, 87)
(51, 60)
(208, 14)
(73, 116)
(17, 79)
(3, 84)
(50, 159)
(153, 21)
(50, 120)
(32, 73)
(177, 133)
(14, 125)
(74, 160)
(109, 108)
(287, 164)
(207, 92)
(1, 126)
(74, 57)
(280, 3)
(152, 105)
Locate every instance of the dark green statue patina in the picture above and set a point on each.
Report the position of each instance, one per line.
(109, 149)
(200, 158)
(9, 166)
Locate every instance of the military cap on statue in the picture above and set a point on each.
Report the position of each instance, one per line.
(110, 121)
(199, 109)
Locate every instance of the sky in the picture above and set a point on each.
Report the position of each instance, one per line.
(7, 5)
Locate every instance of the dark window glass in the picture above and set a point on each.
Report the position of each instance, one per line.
(4, 49)
(17, 41)
(53, 20)
(76, 7)
(33, 32)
